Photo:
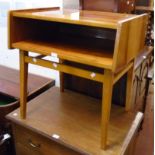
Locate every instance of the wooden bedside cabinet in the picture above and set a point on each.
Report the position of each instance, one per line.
(97, 46)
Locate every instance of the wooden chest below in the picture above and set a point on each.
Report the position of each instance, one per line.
(33, 143)
(67, 123)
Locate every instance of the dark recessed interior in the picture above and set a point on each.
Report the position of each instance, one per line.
(66, 34)
(6, 99)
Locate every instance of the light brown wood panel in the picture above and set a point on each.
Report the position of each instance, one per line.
(23, 83)
(76, 53)
(121, 45)
(15, 25)
(106, 106)
(129, 41)
(136, 40)
(78, 17)
(67, 69)
(130, 75)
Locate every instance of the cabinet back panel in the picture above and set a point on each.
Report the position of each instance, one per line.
(25, 29)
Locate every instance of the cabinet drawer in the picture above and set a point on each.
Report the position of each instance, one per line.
(29, 142)
(23, 150)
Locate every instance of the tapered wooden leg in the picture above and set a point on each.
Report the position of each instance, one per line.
(106, 106)
(23, 84)
(61, 79)
(129, 87)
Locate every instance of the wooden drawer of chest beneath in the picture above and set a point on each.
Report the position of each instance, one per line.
(31, 143)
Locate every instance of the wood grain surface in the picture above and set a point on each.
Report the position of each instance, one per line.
(76, 119)
(9, 82)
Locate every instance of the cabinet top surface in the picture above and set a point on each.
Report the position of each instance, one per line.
(80, 17)
(75, 117)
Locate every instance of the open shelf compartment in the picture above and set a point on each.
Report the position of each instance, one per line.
(75, 43)
(99, 37)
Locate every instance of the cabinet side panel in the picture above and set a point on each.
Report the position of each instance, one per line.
(121, 44)
(18, 30)
(22, 29)
(10, 29)
(130, 41)
(136, 39)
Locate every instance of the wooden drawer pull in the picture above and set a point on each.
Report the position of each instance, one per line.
(34, 145)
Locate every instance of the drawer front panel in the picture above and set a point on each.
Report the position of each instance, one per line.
(22, 150)
(29, 141)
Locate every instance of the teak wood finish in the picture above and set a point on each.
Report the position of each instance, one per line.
(78, 129)
(32, 30)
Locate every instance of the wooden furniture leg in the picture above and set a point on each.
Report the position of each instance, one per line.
(106, 106)
(128, 105)
(61, 79)
(23, 83)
